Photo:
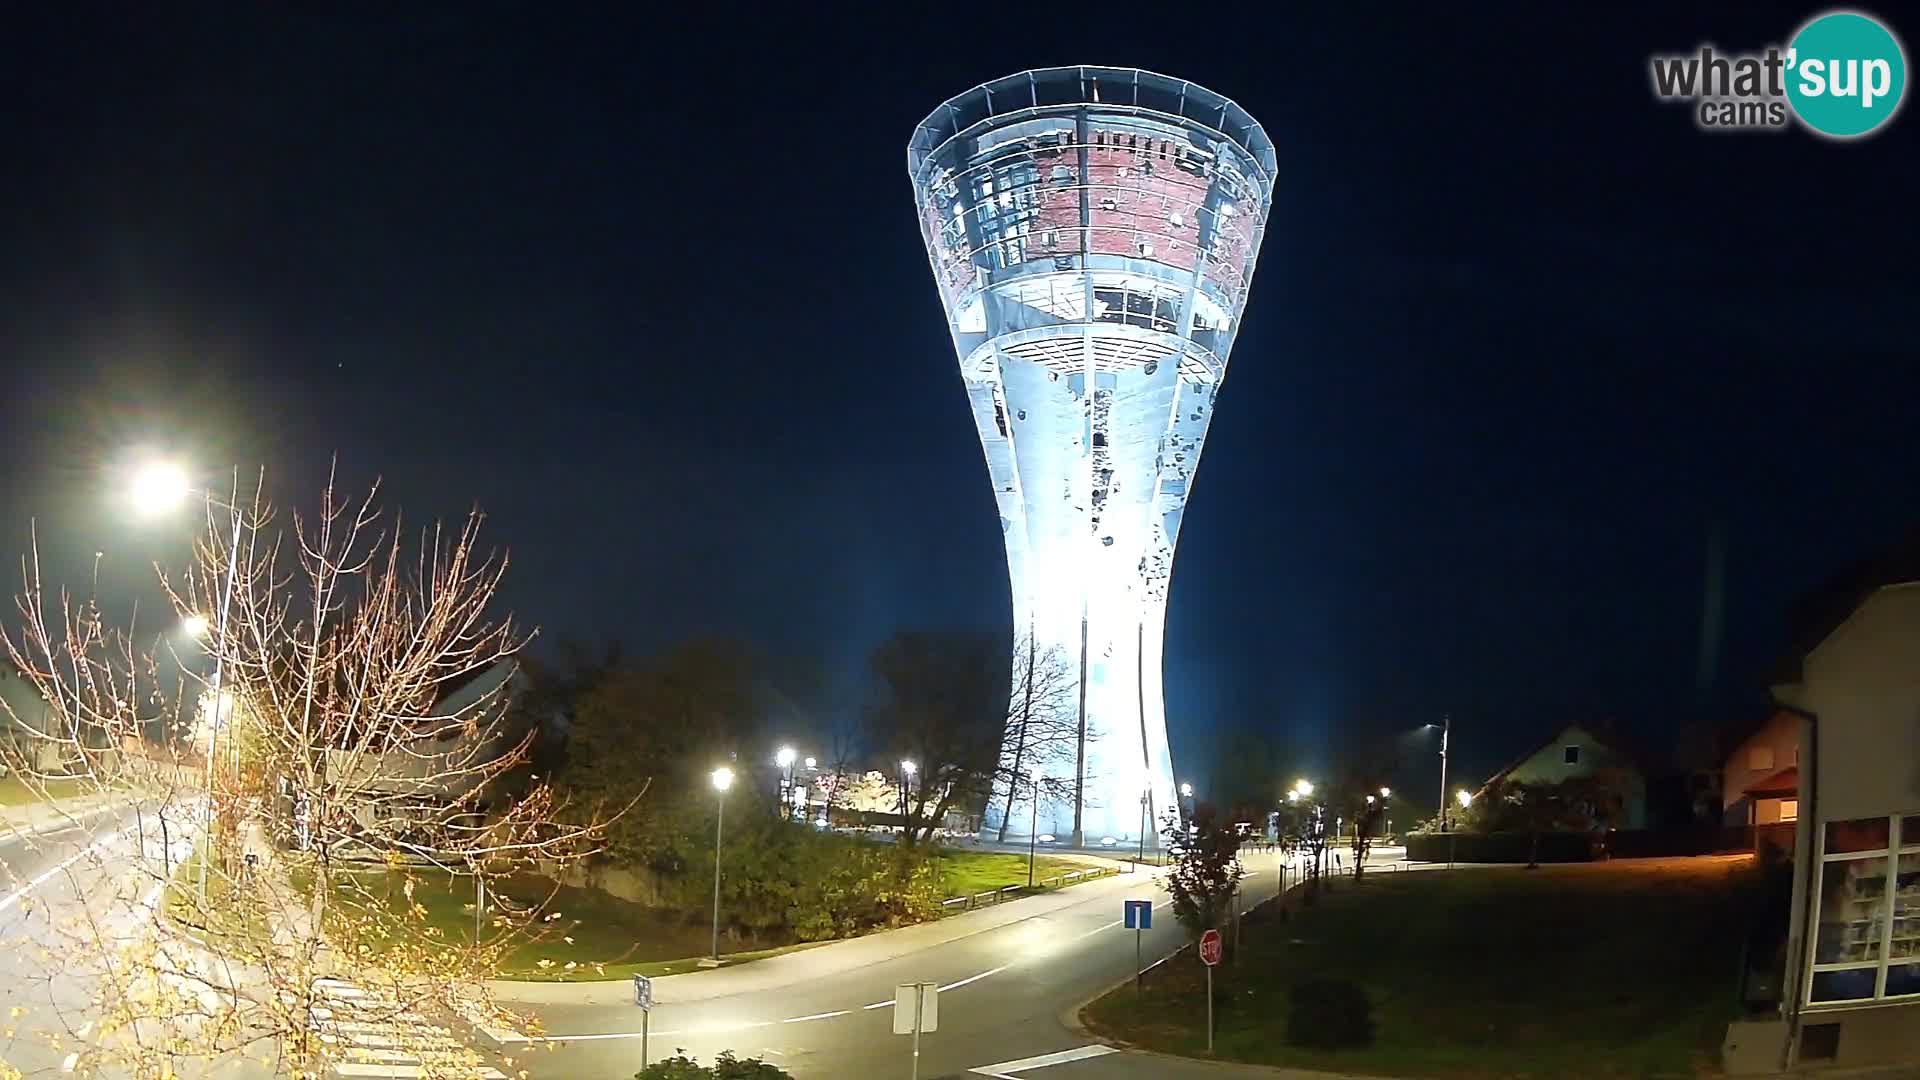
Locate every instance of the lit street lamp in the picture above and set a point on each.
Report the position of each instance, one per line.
(194, 626)
(159, 487)
(785, 758)
(1465, 797)
(907, 769)
(1303, 786)
(722, 780)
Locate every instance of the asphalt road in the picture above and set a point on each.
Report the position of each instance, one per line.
(1004, 993)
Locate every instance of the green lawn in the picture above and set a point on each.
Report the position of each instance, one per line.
(964, 873)
(1623, 969)
(15, 792)
(610, 938)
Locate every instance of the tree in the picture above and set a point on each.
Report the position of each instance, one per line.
(659, 728)
(1205, 870)
(348, 731)
(1042, 727)
(943, 706)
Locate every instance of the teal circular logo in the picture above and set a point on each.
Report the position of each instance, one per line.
(1846, 74)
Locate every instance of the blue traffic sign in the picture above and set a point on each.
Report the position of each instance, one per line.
(1139, 914)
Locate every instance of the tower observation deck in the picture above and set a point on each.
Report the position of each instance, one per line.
(1093, 232)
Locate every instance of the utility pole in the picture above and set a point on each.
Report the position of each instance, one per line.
(1446, 730)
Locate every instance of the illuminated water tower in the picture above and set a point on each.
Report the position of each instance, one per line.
(1093, 232)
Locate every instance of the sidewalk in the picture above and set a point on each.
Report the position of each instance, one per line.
(41, 817)
(816, 964)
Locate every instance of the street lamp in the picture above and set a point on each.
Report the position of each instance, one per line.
(722, 780)
(1303, 786)
(1465, 797)
(785, 758)
(1386, 792)
(1446, 732)
(1186, 791)
(159, 487)
(907, 769)
(194, 626)
(1033, 831)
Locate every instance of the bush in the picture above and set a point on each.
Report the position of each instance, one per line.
(1329, 1014)
(727, 1067)
(783, 880)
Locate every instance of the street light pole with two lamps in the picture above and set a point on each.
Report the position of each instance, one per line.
(159, 487)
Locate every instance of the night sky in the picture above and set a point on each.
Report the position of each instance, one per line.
(651, 292)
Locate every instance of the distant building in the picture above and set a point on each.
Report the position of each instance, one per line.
(1577, 752)
(1760, 782)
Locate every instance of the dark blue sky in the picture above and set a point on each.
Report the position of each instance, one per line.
(651, 291)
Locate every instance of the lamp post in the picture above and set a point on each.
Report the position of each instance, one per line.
(785, 758)
(158, 487)
(907, 768)
(1446, 730)
(1033, 831)
(722, 780)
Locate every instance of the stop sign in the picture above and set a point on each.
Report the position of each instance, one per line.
(1210, 948)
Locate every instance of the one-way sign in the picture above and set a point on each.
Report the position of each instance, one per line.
(1138, 914)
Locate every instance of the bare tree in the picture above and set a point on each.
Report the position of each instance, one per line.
(1042, 728)
(341, 750)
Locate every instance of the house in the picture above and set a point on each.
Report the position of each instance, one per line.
(1760, 782)
(1851, 980)
(1576, 752)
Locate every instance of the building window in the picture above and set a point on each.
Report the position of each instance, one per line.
(1866, 944)
(1760, 758)
(1573, 755)
(1789, 809)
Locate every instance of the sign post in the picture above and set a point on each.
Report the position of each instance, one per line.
(1138, 915)
(643, 997)
(1210, 955)
(916, 1008)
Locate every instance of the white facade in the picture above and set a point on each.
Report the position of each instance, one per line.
(1093, 232)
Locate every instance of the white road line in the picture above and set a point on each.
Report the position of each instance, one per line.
(974, 978)
(13, 897)
(816, 1016)
(877, 1005)
(1044, 1060)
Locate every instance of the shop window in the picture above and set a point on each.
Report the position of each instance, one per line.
(1866, 942)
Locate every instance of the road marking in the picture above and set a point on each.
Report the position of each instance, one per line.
(13, 897)
(816, 1016)
(1044, 1060)
(974, 978)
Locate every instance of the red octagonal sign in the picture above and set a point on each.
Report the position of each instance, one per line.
(1210, 948)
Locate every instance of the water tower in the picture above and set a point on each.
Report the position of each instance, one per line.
(1093, 232)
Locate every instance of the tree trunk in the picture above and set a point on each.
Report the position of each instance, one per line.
(1080, 753)
(1020, 747)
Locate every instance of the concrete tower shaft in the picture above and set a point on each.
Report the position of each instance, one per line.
(1093, 233)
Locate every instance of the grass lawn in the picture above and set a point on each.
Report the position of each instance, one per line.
(1623, 969)
(15, 792)
(611, 938)
(967, 872)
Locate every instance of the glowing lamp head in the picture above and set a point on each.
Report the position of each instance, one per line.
(158, 488)
(1386, 792)
(1186, 791)
(194, 626)
(1303, 786)
(908, 767)
(810, 763)
(785, 757)
(722, 778)
(1465, 797)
